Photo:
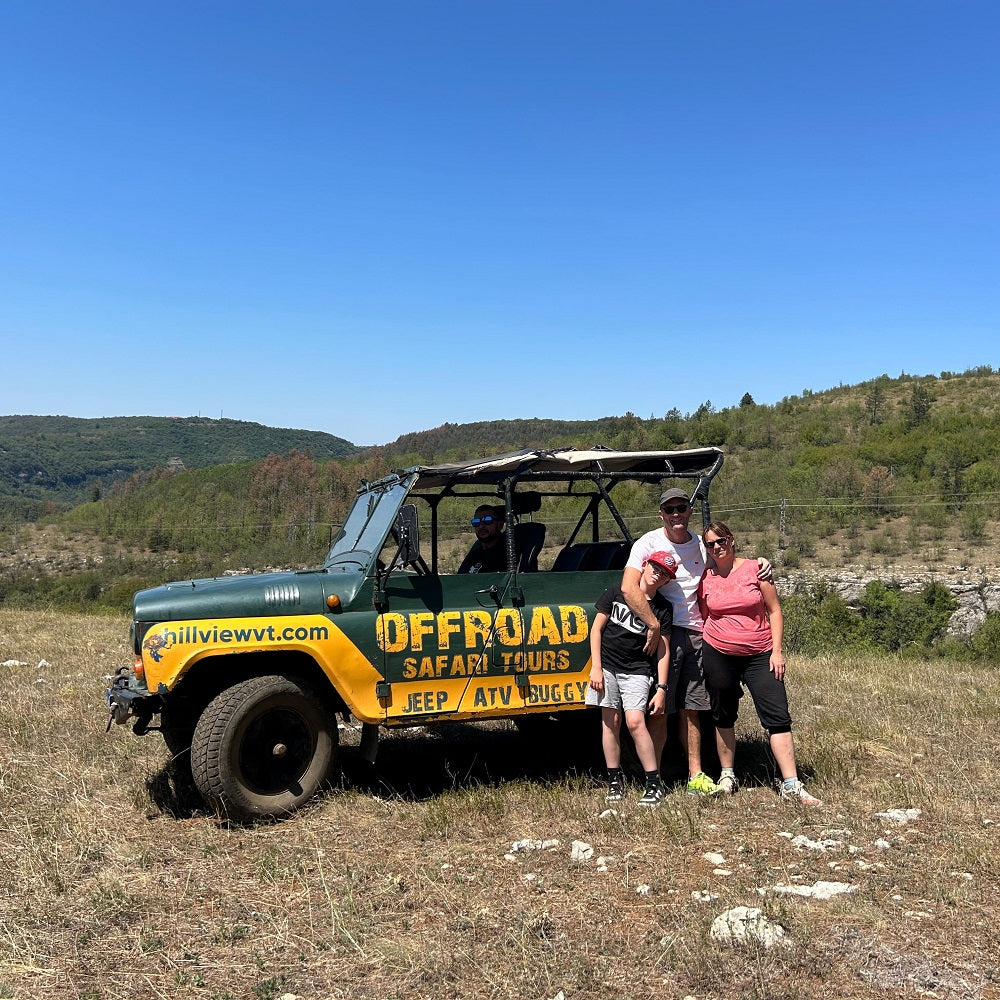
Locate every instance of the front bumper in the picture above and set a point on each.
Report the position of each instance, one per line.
(127, 701)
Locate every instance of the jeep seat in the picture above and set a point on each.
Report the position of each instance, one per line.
(529, 536)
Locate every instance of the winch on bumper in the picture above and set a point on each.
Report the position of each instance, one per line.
(127, 700)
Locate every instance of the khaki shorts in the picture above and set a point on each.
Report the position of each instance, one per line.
(623, 690)
(686, 678)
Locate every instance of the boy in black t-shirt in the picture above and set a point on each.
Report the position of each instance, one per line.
(622, 675)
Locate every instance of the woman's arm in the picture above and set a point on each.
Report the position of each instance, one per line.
(777, 623)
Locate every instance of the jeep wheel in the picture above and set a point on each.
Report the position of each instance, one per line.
(177, 721)
(262, 748)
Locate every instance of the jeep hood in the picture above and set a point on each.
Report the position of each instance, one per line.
(246, 596)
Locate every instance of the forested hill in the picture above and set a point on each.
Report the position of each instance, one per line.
(925, 436)
(922, 426)
(70, 459)
(892, 468)
(494, 437)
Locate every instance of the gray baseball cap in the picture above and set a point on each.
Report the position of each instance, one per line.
(673, 494)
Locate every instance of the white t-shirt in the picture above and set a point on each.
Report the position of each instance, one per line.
(682, 591)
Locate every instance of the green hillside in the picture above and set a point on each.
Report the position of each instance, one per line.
(889, 470)
(492, 437)
(65, 460)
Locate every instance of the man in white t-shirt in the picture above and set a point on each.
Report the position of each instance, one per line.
(687, 695)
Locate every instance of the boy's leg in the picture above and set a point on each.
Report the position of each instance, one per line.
(635, 719)
(657, 726)
(611, 721)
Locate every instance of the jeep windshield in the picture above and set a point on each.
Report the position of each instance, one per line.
(368, 522)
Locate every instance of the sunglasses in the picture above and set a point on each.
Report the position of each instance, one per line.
(487, 519)
(724, 542)
(678, 508)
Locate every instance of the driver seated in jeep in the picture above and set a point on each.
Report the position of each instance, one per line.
(489, 552)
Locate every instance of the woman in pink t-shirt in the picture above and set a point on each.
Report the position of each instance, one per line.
(742, 648)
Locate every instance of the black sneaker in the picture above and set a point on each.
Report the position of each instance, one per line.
(616, 790)
(653, 796)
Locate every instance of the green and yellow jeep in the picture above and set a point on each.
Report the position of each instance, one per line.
(249, 673)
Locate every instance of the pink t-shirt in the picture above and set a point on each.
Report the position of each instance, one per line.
(736, 618)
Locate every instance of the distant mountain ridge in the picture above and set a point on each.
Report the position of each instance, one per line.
(930, 434)
(64, 459)
(902, 469)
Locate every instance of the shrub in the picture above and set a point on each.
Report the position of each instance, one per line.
(986, 640)
(806, 545)
(767, 547)
(973, 525)
(894, 620)
(818, 620)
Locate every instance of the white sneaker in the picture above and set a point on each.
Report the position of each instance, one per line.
(798, 793)
(727, 784)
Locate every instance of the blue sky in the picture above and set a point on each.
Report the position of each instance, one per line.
(374, 218)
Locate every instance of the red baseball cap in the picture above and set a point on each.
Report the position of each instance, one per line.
(664, 559)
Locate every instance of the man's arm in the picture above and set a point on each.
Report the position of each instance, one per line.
(639, 604)
(658, 703)
(764, 569)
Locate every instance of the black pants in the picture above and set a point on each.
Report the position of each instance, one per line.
(727, 675)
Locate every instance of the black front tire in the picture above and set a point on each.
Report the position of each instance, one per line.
(178, 719)
(262, 748)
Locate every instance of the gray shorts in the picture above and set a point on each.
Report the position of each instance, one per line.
(686, 679)
(625, 691)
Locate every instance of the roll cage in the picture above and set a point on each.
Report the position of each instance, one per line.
(523, 482)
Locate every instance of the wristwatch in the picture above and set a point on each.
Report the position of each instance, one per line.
(663, 687)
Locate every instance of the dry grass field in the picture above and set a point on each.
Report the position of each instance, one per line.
(115, 884)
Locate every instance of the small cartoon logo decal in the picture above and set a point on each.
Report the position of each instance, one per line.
(156, 644)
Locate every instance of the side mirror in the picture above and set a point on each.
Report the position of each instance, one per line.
(407, 534)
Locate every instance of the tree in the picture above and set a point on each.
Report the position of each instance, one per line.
(875, 400)
(919, 407)
(878, 486)
(712, 431)
(747, 400)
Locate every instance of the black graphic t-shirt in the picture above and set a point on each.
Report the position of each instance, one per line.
(624, 634)
(483, 560)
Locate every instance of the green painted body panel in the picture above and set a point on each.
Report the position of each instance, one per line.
(250, 595)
